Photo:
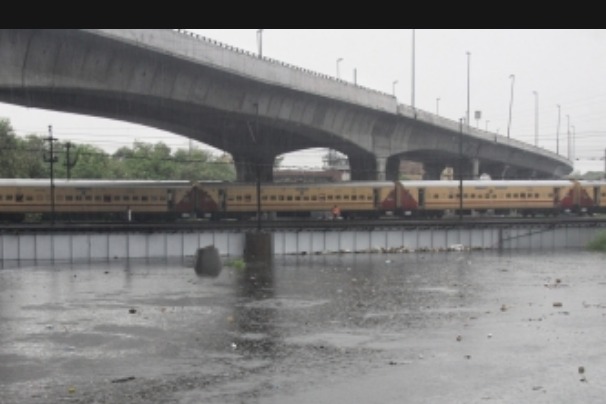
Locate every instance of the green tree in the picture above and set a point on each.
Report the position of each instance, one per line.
(8, 150)
(90, 162)
(33, 158)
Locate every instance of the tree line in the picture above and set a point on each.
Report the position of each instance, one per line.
(30, 157)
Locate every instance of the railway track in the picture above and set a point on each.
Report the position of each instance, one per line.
(303, 225)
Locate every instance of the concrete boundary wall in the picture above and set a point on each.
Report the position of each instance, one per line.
(88, 247)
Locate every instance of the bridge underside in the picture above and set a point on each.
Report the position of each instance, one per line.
(80, 72)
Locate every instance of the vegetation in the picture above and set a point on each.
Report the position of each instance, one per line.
(236, 263)
(29, 157)
(599, 243)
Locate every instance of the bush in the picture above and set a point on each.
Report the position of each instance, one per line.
(599, 243)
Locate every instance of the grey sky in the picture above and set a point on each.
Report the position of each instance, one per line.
(565, 67)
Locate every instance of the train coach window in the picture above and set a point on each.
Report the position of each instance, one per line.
(29, 198)
(144, 198)
(69, 198)
(508, 195)
(78, 197)
(354, 197)
(272, 198)
(314, 198)
(136, 198)
(88, 198)
(107, 198)
(329, 197)
(19, 198)
(289, 198)
(9, 197)
(516, 195)
(125, 198)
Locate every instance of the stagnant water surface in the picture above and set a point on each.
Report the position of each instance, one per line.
(456, 327)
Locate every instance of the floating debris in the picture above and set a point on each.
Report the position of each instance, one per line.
(124, 379)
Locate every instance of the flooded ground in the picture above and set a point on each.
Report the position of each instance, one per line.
(456, 327)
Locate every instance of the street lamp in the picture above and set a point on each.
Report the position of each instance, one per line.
(468, 63)
(573, 144)
(260, 42)
(536, 118)
(437, 106)
(412, 101)
(513, 79)
(338, 71)
(558, 133)
(394, 87)
(568, 134)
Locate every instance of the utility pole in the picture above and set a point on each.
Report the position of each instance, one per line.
(52, 159)
(69, 164)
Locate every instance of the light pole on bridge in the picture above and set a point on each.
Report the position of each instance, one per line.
(260, 42)
(513, 79)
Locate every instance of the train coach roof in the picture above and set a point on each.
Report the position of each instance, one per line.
(485, 183)
(315, 185)
(35, 182)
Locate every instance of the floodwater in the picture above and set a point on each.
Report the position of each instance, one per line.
(450, 327)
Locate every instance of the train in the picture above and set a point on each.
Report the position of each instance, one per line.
(149, 200)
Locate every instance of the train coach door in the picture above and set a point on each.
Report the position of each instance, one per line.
(170, 199)
(421, 198)
(376, 198)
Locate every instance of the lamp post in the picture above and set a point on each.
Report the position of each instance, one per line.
(513, 79)
(468, 63)
(338, 70)
(568, 134)
(573, 154)
(51, 159)
(558, 133)
(260, 42)
(437, 106)
(461, 169)
(536, 118)
(394, 87)
(412, 100)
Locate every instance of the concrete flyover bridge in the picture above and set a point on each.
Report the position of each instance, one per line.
(252, 107)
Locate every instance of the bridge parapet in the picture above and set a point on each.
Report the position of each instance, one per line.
(454, 126)
(205, 51)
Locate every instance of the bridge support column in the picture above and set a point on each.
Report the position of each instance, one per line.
(363, 168)
(381, 164)
(248, 171)
(433, 171)
(392, 168)
(475, 168)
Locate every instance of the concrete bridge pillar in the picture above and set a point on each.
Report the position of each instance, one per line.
(433, 171)
(392, 168)
(249, 171)
(364, 168)
(475, 168)
(381, 164)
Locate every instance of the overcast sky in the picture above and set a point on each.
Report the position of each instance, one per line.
(549, 68)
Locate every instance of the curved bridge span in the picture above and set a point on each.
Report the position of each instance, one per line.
(251, 107)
